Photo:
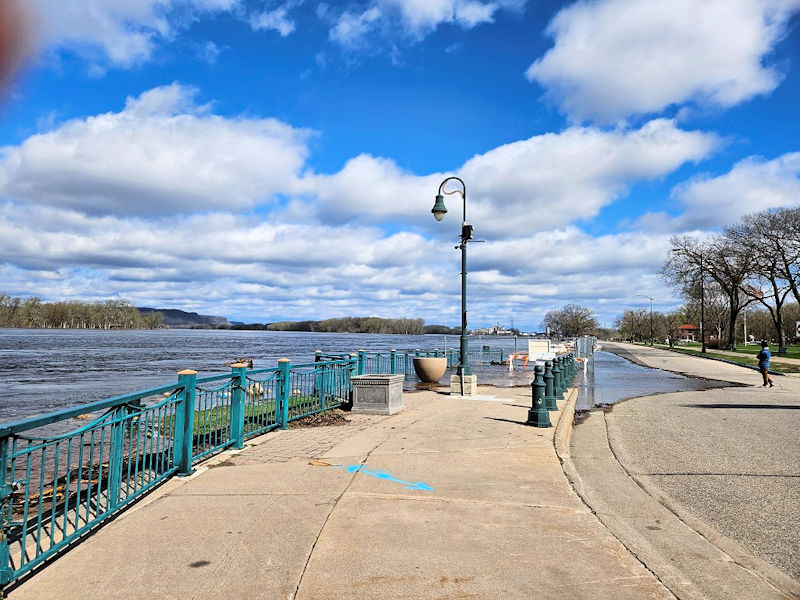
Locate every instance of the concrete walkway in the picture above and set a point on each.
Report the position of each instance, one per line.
(287, 518)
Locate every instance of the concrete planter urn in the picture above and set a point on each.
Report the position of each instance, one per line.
(430, 369)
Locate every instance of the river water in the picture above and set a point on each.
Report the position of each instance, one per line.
(42, 370)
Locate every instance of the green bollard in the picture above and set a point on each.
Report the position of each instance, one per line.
(549, 395)
(558, 391)
(538, 415)
(567, 373)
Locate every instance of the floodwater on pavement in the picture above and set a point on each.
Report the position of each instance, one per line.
(608, 379)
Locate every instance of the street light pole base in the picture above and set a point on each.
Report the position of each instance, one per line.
(470, 385)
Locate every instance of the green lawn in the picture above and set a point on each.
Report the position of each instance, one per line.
(791, 351)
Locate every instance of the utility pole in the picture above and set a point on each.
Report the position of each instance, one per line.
(651, 315)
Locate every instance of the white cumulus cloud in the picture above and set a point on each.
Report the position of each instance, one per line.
(162, 154)
(545, 181)
(615, 58)
(752, 185)
(277, 19)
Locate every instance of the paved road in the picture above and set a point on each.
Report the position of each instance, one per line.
(725, 460)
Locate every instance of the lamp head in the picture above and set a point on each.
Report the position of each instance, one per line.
(439, 210)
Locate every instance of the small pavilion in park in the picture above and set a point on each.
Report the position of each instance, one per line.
(689, 333)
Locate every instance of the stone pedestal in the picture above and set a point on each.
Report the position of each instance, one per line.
(377, 394)
(470, 385)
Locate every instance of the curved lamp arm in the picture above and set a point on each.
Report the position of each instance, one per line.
(439, 208)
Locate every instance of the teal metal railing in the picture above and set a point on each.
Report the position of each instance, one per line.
(64, 473)
(55, 486)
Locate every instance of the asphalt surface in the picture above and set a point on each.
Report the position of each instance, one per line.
(725, 460)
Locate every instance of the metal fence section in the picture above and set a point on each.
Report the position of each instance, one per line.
(261, 410)
(316, 387)
(584, 346)
(213, 415)
(60, 478)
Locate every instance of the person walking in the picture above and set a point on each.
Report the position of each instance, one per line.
(763, 364)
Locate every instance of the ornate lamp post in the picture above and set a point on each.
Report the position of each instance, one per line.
(439, 210)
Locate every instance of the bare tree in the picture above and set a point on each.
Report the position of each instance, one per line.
(726, 263)
(772, 260)
(633, 325)
(571, 321)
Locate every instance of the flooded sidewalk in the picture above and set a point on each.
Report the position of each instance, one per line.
(609, 378)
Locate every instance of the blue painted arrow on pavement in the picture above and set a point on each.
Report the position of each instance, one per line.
(384, 475)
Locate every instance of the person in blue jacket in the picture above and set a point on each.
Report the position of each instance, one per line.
(763, 364)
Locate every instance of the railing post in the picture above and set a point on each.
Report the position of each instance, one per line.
(239, 380)
(353, 371)
(362, 362)
(321, 384)
(502, 355)
(284, 389)
(184, 422)
(116, 456)
(318, 379)
(5, 515)
(393, 358)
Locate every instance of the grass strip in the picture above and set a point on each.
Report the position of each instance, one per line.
(745, 360)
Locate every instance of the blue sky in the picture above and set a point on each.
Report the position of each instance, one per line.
(278, 160)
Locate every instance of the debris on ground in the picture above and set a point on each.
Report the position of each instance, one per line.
(323, 419)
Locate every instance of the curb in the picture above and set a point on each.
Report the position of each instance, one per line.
(563, 432)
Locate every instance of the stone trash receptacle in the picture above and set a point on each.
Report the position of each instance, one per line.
(429, 368)
(377, 394)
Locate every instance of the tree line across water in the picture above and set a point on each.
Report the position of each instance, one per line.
(110, 314)
(363, 325)
(33, 312)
